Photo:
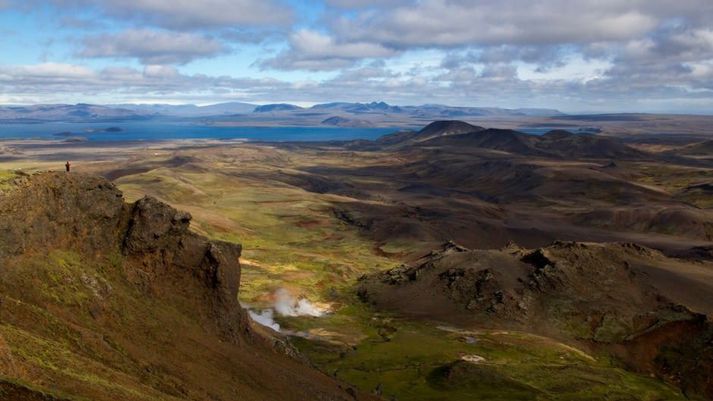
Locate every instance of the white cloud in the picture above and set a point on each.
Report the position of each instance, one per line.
(452, 23)
(161, 71)
(152, 47)
(206, 13)
(50, 83)
(311, 50)
(187, 14)
(702, 70)
(315, 44)
(501, 86)
(365, 3)
(485, 52)
(53, 71)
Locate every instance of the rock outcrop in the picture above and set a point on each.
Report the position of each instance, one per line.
(105, 300)
(87, 213)
(613, 298)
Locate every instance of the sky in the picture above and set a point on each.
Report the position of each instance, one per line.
(572, 55)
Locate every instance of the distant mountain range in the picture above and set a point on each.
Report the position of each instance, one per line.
(338, 113)
(189, 110)
(426, 110)
(69, 113)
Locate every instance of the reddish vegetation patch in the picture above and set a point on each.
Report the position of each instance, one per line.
(675, 351)
(309, 224)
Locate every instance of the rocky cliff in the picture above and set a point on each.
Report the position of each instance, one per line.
(104, 300)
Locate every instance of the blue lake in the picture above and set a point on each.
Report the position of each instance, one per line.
(162, 130)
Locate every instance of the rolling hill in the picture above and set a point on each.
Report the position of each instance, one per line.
(630, 301)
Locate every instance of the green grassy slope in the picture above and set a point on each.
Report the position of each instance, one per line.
(292, 240)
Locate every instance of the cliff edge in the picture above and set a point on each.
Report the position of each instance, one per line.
(103, 300)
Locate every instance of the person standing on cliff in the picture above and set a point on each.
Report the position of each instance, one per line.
(68, 166)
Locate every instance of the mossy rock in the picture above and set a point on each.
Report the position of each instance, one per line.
(611, 330)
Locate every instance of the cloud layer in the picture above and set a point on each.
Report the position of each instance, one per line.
(588, 54)
(152, 47)
(183, 14)
(311, 50)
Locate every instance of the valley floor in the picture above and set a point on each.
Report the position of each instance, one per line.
(313, 219)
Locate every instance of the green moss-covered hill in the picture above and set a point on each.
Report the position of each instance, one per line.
(104, 300)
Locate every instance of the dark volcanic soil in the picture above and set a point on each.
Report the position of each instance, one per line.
(485, 187)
